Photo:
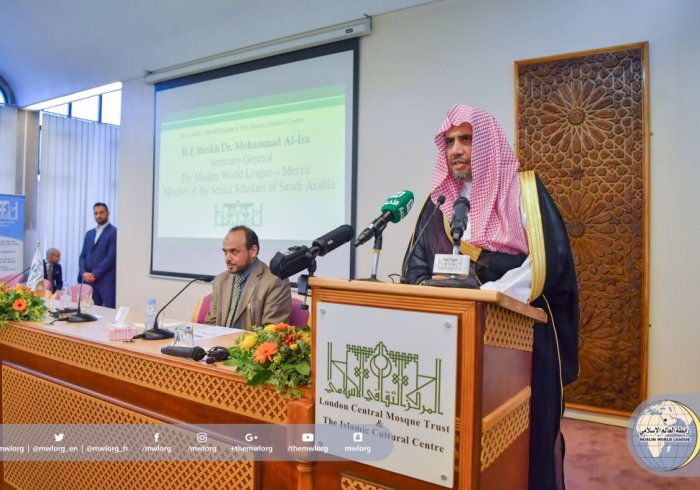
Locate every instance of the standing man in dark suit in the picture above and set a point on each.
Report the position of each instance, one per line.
(98, 259)
(52, 270)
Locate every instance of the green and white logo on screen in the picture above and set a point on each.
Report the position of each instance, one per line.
(663, 435)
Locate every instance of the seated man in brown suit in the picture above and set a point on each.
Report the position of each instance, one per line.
(247, 293)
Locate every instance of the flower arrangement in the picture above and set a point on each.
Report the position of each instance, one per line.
(19, 303)
(279, 355)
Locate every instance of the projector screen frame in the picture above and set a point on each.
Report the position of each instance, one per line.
(349, 45)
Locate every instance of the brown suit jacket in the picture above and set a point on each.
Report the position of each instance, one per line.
(265, 299)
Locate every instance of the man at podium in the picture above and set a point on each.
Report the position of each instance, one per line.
(518, 244)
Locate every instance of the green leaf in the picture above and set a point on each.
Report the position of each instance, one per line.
(303, 368)
(259, 378)
(288, 367)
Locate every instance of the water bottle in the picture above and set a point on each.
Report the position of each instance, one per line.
(150, 314)
(65, 296)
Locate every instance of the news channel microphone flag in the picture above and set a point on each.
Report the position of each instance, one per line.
(36, 272)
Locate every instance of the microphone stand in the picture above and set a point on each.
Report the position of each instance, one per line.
(377, 247)
(81, 317)
(156, 333)
(303, 283)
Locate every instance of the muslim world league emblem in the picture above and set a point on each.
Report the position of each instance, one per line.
(663, 435)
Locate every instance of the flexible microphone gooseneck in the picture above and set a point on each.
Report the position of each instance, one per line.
(15, 277)
(404, 266)
(81, 317)
(156, 333)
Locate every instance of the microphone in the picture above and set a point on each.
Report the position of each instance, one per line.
(15, 277)
(440, 202)
(294, 260)
(194, 353)
(394, 209)
(333, 239)
(459, 219)
(81, 317)
(300, 257)
(156, 333)
(456, 266)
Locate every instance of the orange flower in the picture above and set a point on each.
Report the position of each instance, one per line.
(265, 351)
(282, 326)
(19, 305)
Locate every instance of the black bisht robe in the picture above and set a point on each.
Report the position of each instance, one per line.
(555, 349)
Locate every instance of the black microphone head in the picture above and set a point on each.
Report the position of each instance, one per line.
(459, 219)
(198, 353)
(462, 201)
(205, 278)
(440, 200)
(334, 239)
(460, 210)
(195, 353)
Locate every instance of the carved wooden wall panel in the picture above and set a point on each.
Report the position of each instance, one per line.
(582, 124)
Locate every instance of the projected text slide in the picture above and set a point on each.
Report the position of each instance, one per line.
(254, 163)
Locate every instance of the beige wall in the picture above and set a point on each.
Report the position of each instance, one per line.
(420, 61)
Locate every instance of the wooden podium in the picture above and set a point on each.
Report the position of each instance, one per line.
(494, 346)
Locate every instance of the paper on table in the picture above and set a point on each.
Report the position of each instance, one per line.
(167, 324)
(208, 332)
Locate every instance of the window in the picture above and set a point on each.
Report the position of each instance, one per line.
(112, 107)
(100, 104)
(61, 110)
(86, 108)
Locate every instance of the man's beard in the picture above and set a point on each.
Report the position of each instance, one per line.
(462, 176)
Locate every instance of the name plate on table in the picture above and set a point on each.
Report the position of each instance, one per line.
(451, 264)
(392, 373)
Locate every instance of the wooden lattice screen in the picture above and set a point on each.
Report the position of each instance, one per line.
(582, 124)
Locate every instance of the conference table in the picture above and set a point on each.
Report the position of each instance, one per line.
(71, 376)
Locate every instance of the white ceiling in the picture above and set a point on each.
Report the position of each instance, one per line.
(51, 48)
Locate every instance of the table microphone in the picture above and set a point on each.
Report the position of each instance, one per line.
(81, 317)
(156, 333)
(195, 353)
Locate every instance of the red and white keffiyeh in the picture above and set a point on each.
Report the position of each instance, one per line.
(495, 195)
